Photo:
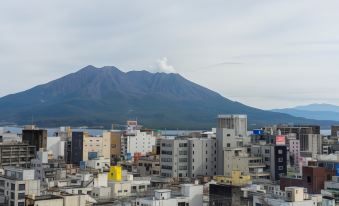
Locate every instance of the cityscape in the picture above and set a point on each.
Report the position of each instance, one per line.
(169, 103)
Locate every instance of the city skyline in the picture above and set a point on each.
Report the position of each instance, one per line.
(232, 48)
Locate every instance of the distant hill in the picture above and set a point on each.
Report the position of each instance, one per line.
(313, 111)
(102, 96)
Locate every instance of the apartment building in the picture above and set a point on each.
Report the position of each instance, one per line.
(188, 157)
(137, 142)
(238, 159)
(274, 157)
(202, 157)
(16, 154)
(15, 184)
(174, 158)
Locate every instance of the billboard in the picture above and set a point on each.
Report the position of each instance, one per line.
(258, 132)
(280, 140)
(337, 169)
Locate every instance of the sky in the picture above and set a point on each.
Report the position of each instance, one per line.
(266, 54)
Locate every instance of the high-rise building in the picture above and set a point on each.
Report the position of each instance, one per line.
(229, 128)
(190, 157)
(35, 137)
(236, 122)
(174, 158)
(202, 157)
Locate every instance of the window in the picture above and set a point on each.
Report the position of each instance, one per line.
(228, 145)
(267, 151)
(21, 203)
(280, 159)
(280, 151)
(21, 195)
(309, 179)
(280, 168)
(12, 196)
(12, 186)
(267, 159)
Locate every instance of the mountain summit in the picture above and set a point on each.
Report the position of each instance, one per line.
(102, 96)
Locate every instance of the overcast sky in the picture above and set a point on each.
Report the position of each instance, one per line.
(267, 54)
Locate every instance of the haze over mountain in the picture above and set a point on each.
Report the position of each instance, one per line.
(313, 111)
(102, 96)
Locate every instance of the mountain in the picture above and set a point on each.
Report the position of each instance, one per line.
(313, 111)
(102, 96)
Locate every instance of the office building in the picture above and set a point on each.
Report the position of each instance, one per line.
(35, 137)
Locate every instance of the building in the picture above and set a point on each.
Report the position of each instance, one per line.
(238, 159)
(188, 157)
(57, 200)
(99, 163)
(230, 128)
(137, 142)
(48, 169)
(293, 147)
(313, 179)
(85, 147)
(274, 157)
(15, 184)
(149, 165)
(16, 154)
(236, 179)
(174, 158)
(7, 136)
(57, 146)
(202, 157)
(189, 195)
(311, 143)
(298, 129)
(292, 196)
(238, 123)
(221, 194)
(115, 145)
(35, 137)
(335, 130)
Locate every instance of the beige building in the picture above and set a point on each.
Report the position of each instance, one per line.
(115, 143)
(238, 159)
(99, 145)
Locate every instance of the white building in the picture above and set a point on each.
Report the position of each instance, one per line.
(137, 141)
(15, 184)
(292, 196)
(100, 163)
(57, 146)
(190, 195)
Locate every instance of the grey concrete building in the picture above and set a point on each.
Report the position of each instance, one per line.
(188, 157)
(174, 158)
(16, 154)
(202, 157)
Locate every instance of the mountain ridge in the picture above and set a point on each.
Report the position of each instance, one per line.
(102, 96)
(319, 111)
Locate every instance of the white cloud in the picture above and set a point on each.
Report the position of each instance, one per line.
(163, 66)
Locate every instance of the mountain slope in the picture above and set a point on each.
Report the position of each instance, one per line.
(313, 111)
(102, 96)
